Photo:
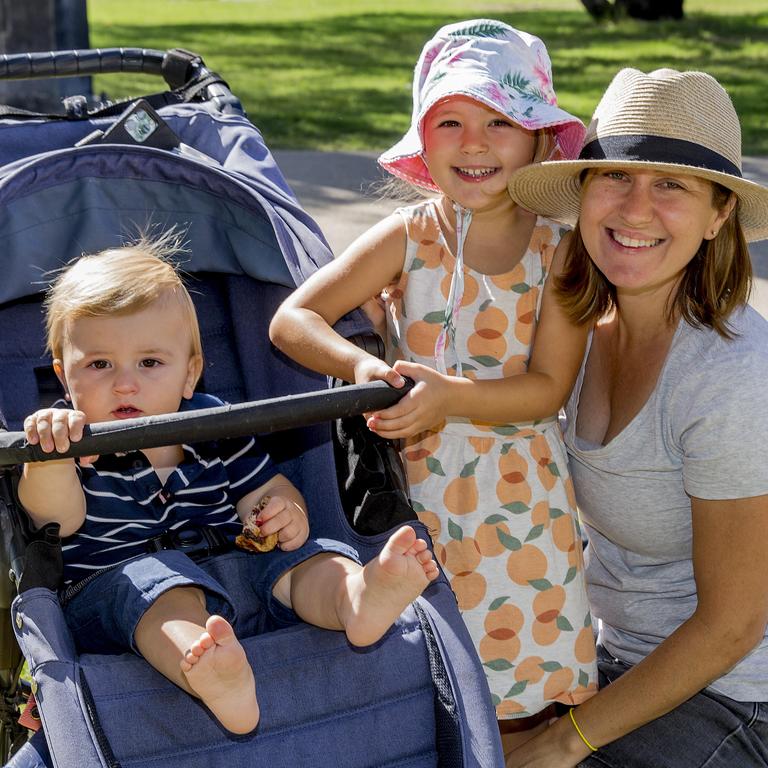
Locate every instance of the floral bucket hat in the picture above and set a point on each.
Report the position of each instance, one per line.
(495, 64)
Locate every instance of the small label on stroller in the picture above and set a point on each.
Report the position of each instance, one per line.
(140, 124)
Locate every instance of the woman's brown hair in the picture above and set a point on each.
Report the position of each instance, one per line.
(715, 282)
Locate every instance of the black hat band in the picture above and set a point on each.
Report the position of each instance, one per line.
(657, 149)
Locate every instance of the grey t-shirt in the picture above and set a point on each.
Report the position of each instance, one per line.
(703, 432)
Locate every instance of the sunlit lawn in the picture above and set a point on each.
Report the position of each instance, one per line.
(335, 74)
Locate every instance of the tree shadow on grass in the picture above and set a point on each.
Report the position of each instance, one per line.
(345, 81)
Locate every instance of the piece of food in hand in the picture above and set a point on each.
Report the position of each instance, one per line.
(251, 539)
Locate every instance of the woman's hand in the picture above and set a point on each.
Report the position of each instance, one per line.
(556, 747)
(288, 519)
(425, 406)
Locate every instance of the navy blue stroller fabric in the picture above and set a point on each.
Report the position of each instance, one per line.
(416, 698)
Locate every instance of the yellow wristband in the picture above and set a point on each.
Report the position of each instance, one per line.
(578, 730)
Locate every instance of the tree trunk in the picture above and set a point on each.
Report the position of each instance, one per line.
(27, 26)
(599, 9)
(648, 10)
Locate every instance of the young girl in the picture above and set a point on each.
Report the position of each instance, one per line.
(465, 286)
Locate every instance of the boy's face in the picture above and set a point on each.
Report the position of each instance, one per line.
(132, 365)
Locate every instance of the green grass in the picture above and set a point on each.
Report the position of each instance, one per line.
(335, 74)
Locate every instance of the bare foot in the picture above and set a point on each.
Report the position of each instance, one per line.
(218, 671)
(386, 586)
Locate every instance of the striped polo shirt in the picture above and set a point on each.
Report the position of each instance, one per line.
(126, 504)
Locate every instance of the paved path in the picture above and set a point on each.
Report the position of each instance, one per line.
(336, 189)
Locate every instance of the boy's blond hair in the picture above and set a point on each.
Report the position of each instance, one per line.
(118, 281)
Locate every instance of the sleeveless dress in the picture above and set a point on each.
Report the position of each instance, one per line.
(496, 498)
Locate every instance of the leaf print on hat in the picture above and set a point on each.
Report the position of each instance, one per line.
(520, 86)
(482, 29)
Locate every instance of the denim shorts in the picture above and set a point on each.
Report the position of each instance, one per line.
(104, 613)
(707, 731)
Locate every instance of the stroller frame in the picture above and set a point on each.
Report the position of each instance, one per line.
(449, 697)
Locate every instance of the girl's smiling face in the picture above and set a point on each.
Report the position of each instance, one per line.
(642, 227)
(472, 150)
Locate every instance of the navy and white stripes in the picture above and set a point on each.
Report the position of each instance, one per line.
(126, 504)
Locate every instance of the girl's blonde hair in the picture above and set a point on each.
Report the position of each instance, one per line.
(715, 282)
(119, 281)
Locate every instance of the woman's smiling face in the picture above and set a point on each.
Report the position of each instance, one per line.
(642, 227)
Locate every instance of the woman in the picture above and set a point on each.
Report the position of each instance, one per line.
(666, 428)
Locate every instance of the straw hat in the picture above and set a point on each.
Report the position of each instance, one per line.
(494, 64)
(680, 122)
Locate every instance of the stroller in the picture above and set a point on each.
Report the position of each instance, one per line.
(188, 157)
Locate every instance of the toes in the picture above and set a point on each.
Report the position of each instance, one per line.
(202, 644)
(219, 630)
(403, 539)
(424, 557)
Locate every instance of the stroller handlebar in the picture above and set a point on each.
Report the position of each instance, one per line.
(182, 70)
(177, 66)
(44, 64)
(259, 417)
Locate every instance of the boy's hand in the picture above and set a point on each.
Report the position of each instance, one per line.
(423, 407)
(54, 428)
(286, 518)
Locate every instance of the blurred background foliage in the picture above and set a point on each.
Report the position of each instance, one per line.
(336, 74)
